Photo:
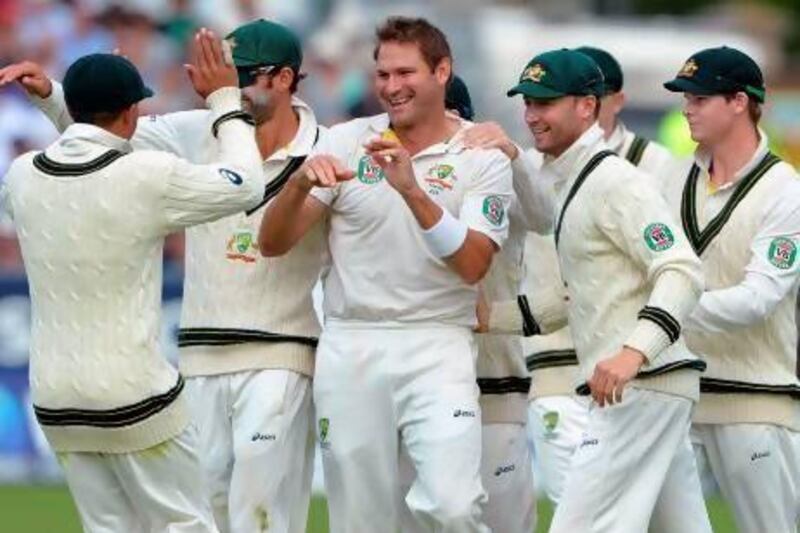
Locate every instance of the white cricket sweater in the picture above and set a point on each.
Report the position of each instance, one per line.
(629, 272)
(91, 217)
(746, 234)
(647, 155)
(240, 311)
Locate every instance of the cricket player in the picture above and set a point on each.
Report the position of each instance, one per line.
(648, 155)
(631, 277)
(557, 415)
(740, 208)
(248, 329)
(414, 220)
(502, 380)
(91, 216)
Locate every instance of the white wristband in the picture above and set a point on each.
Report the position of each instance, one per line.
(446, 236)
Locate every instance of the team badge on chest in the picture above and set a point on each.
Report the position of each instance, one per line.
(440, 178)
(782, 252)
(242, 246)
(658, 237)
(368, 172)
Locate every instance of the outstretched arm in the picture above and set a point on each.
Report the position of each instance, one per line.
(294, 210)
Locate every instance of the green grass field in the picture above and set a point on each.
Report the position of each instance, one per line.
(25, 509)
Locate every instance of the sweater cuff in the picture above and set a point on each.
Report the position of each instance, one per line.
(50, 103)
(648, 338)
(224, 100)
(505, 317)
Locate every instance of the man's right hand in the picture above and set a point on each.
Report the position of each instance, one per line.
(30, 75)
(209, 71)
(321, 171)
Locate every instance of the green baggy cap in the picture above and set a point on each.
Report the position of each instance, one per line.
(559, 73)
(721, 70)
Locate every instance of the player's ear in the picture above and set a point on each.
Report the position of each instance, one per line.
(285, 78)
(443, 71)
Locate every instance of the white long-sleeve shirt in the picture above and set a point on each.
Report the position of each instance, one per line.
(91, 216)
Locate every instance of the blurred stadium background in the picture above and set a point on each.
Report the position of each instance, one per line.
(492, 40)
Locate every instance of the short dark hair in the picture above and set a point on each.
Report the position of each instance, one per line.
(753, 107)
(431, 41)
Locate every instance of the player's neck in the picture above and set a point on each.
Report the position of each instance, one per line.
(277, 132)
(434, 129)
(732, 153)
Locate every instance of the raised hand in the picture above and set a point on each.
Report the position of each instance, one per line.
(489, 135)
(395, 162)
(209, 71)
(321, 171)
(28, 74)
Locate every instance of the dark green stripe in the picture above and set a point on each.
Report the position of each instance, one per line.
(691, 364)
(700, 240)
(109, 418)
(636, 150)
(232, 115)
(724, 386)
(507, 385)
(231, 336)
(54, 168)
(551, 359)
(590, 166)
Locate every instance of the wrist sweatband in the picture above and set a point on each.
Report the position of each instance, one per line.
(446, 236)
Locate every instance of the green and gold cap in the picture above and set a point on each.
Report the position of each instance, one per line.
(560, 73)
(265, 43)
(721, 70)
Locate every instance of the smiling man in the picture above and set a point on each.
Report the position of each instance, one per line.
(414, 221)
(630, 277)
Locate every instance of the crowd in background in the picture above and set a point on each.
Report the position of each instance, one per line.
(154, 34)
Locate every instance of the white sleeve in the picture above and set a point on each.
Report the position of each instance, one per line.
(54, 106)
(488, 198)
(771, 275)
(637, 219)
(534, 194)
(326, 145)
(200, 193)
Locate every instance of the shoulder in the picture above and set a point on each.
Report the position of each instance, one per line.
(179, 119)
(357, 127)
(21, 164)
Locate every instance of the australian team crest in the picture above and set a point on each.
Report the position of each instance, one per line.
(688, 69)
(440, 178)
(533, 73)
(658, 237)
(242, 246)
(368, 172)
(493, 210)
(782, 252)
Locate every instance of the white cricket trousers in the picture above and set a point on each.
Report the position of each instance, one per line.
(257, 448)
(508, 479)
(376, 388)
(556, 425)
(757, 468)
(159, 489)
(634, 462)
(506, 476)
